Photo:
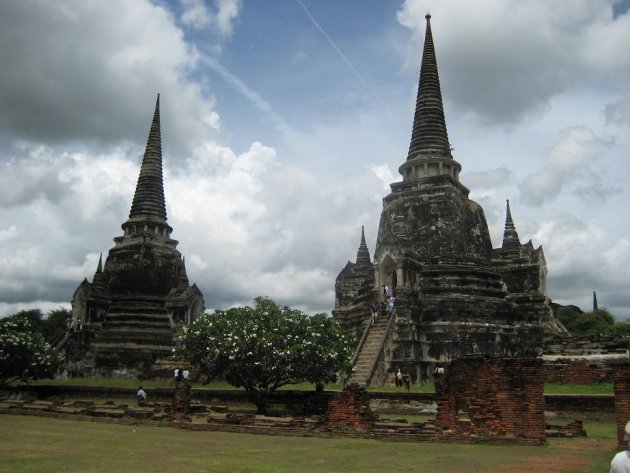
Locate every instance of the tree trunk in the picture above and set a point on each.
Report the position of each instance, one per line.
(259, 399)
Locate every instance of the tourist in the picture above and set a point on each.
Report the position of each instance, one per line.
(180, 374)
(621, 462)
(176, 375)
(374, 310)
(386, 292)
(383, 310)
(141, 396)
(391, 306)
(185, 375)
(406, 379)
(399, 381)
(78, 325)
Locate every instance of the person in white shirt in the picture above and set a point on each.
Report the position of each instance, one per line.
(141, 396)
(621, 462)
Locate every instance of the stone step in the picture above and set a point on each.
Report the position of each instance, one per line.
(158, 350)
(145, 315)
(138, 337)
(141, 324)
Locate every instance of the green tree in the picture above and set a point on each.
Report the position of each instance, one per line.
(34, 316)
(55, 324)
(24, 354)
(267, 346)
(581, 324)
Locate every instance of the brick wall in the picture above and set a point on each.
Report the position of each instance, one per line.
(180, 406)
(493, 397)
(577, 372)
(621, 376)
(350, 408)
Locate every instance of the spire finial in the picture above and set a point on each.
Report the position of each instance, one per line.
(508, 216)
(99, 267)
(511, 243)
(429, 135)
(363, 254)
(148, 201)
(595, 308)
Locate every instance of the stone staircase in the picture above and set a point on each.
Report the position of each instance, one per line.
(369, 351)
(135, 332)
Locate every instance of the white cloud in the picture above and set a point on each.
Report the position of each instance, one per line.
(227, 12)
(196, 14)
(90, 71)
(618, 112)
(570, 157)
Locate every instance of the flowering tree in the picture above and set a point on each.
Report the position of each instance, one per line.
(24, 354)
(264, 347)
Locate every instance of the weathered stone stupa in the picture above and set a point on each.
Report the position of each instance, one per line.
(140, 298)
(454, 294)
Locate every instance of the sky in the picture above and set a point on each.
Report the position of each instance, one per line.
(284, 123)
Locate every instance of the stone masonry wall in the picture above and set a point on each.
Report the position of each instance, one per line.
(494, 397)
(621, 376)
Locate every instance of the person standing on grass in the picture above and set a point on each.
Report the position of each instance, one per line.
(399, 380)
(406, 379)
(141, 396)
(621, 462)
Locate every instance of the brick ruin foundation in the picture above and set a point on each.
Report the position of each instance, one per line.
(492, 397)
(583, 360)
(621, 376)
(180, 406)
(350, 408)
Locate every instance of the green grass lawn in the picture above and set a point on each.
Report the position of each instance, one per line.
(603, 388)
(36, 444)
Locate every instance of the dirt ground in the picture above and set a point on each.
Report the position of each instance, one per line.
(573, 455)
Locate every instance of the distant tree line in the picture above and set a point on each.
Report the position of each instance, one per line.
(596, 322)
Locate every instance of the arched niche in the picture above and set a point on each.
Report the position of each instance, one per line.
(388, 273)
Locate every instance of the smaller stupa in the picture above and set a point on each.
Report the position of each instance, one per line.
(140, 299)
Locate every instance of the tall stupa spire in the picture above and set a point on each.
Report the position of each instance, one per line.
(511, 242)
(429, 134)
(148, 201)
(363, 254)
(429, 150)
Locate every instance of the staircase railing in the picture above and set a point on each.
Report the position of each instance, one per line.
(361, 343)
(377, 354)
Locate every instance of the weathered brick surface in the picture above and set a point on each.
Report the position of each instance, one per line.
(493, 397)
(180, 407)
(350, 408)
(621, 376)
(577, 372)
